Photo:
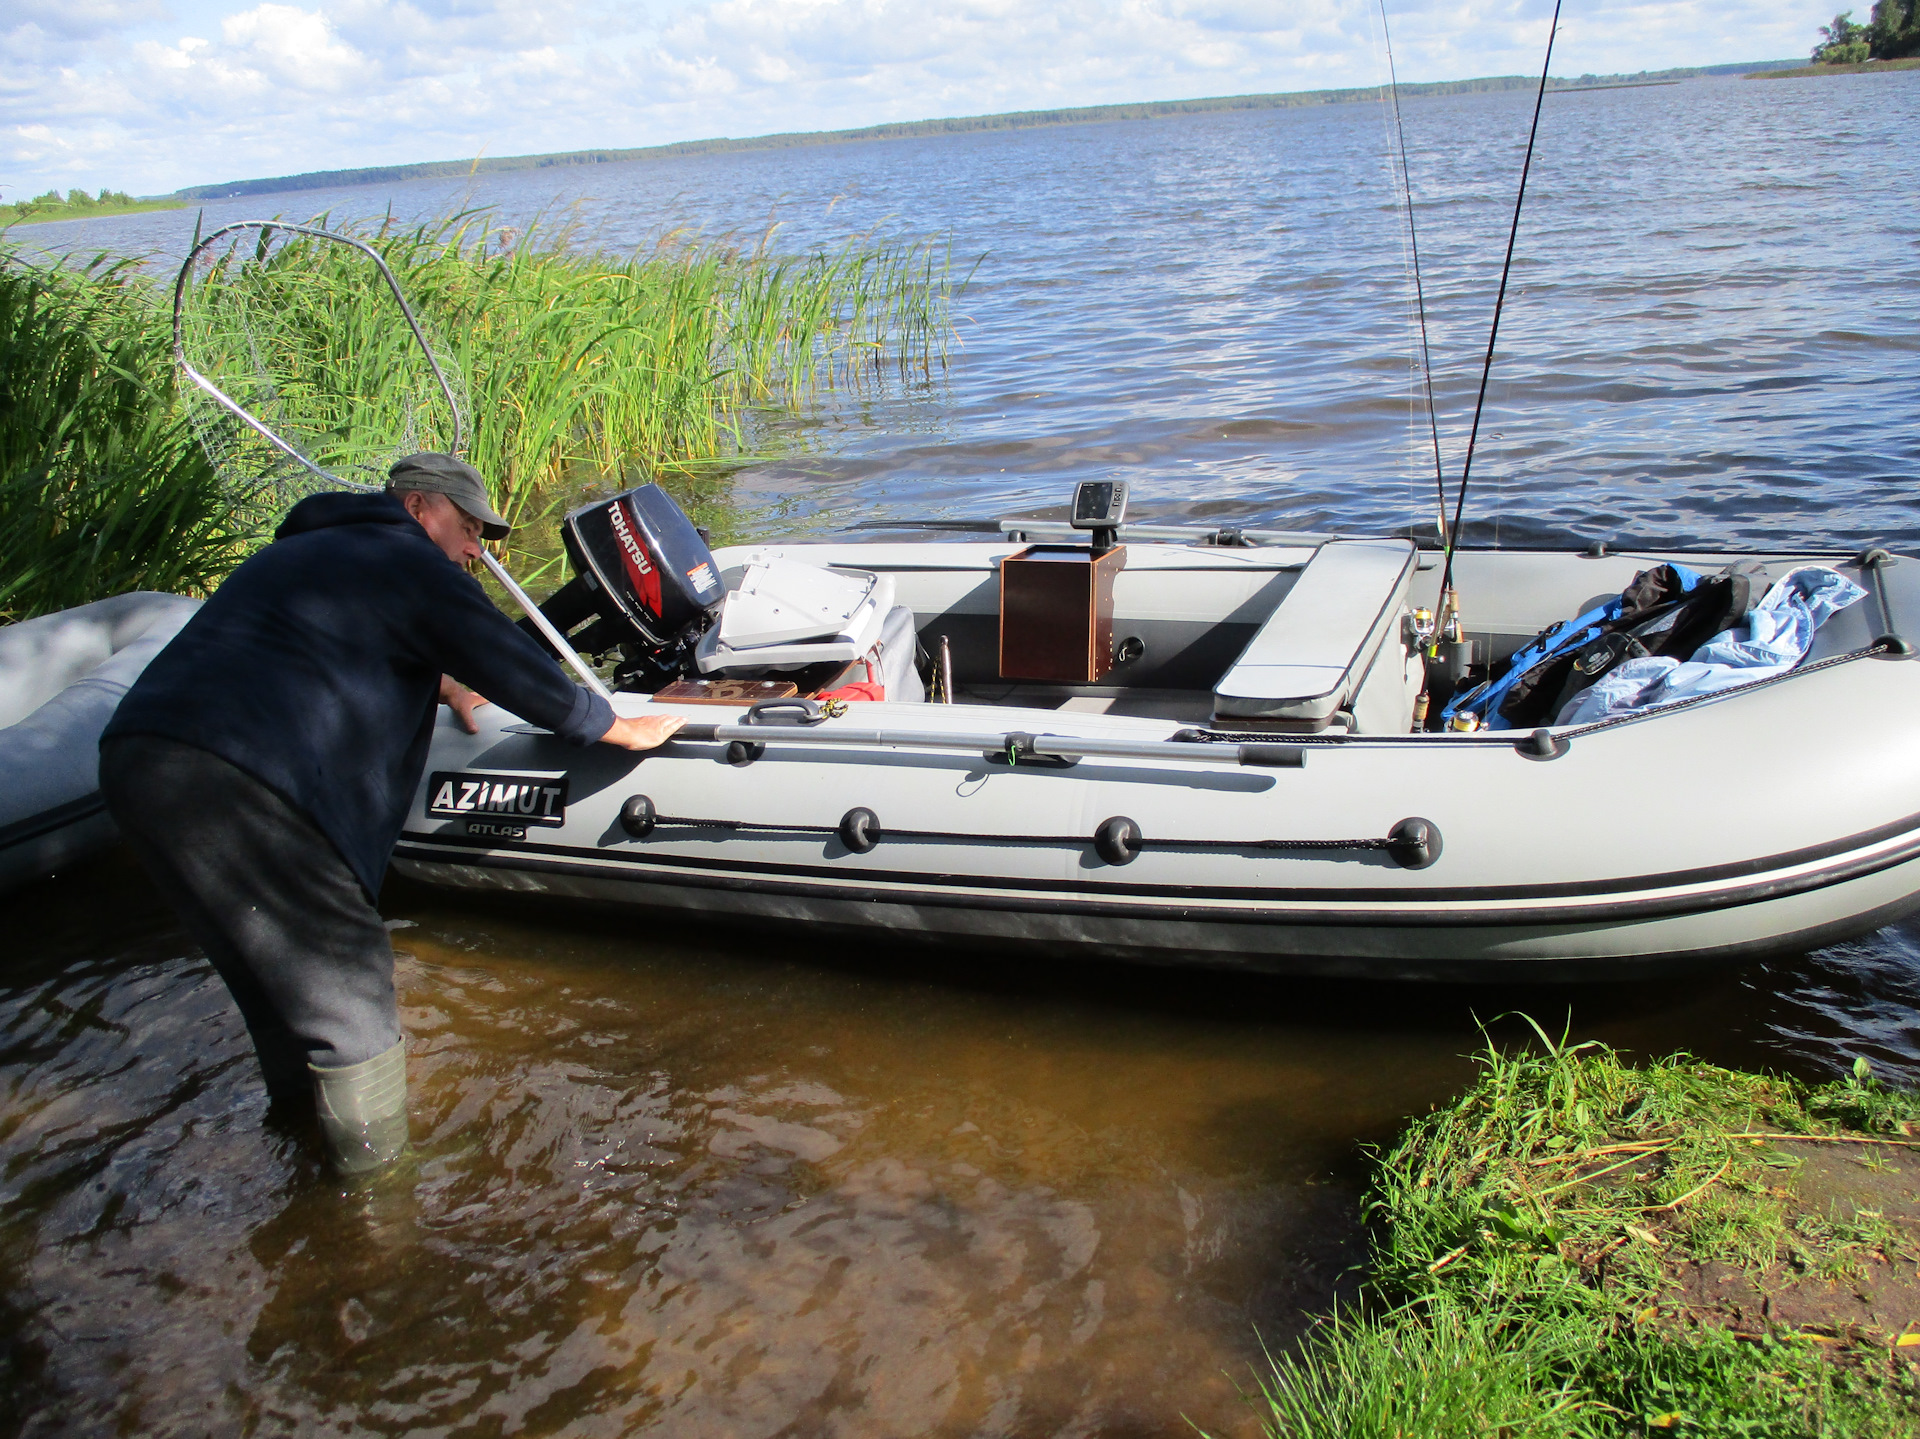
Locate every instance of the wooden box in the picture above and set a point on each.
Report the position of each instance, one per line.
(1056, 613)
(726, 692)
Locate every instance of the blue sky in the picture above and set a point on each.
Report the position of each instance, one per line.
(150, 95)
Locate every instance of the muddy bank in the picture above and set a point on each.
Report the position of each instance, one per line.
(1583, 1246)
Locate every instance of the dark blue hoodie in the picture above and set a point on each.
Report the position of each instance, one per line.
(316, 669)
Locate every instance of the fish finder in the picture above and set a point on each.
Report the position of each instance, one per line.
(1100, 505)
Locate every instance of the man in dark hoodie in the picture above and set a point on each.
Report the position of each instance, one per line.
(262, 766)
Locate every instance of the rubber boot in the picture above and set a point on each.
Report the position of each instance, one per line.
(363, 1110)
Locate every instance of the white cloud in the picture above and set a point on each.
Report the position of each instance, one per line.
(124, 93)
(289, 46)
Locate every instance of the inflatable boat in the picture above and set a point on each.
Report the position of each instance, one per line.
(1200, 747)
(1301, 754)
(61, 678)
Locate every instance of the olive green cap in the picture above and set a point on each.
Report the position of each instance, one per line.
(456, 479)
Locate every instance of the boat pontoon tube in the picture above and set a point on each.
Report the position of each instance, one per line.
(61, 678)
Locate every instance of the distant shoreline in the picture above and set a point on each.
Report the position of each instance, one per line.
(1869, 67)
(912, 129)
(91, 212)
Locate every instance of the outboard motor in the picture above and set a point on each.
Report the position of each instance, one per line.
(644, 583)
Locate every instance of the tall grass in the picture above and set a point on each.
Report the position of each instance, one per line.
(570, 365)
(1439, 1369)
(103, 487)
(574, 370)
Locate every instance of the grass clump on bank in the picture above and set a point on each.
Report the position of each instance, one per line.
(1580, 1246)
(575, 370)
(103, 485)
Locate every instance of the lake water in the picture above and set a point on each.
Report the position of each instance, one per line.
(746, 1186)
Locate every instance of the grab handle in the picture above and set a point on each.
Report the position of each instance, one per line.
(791, 711)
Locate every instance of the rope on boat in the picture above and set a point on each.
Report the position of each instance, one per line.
(1412, 843)
(1518, 738)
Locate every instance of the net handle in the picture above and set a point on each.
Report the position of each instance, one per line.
(238, 411)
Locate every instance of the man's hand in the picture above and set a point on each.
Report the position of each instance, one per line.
(643, 731)
(462, 701)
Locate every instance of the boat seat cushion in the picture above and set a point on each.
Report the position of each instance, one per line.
(897, 668)
(1305, 663)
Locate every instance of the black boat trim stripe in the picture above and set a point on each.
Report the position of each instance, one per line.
(38, 826)
(1405, 908)
(1573, 889)
(1407, 917)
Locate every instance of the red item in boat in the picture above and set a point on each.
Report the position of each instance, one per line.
(859, 690)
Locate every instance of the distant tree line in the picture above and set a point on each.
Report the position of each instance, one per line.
(910, 129)
(75, 200)
(1891, 33)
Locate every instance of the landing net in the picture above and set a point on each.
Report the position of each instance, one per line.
(306, 370)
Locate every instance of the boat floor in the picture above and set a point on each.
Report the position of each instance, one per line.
(1183, 706)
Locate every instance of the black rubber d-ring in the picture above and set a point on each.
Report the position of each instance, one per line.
(1414, 843)
(859, 830)
(740, 752)
(637, 816)
(1118, 840)
(1543, 744)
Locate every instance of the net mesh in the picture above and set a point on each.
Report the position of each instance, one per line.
(304, 334)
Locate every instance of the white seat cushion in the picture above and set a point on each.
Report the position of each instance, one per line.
(1306, 661)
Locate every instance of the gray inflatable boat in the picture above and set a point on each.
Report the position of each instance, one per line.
(1237, 777)
(61, 678)
(1184, 746)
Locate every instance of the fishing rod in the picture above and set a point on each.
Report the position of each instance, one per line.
(1449, 601)
(1419, 290)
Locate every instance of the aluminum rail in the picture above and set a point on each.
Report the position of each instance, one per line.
(227, 402)
(1192, 534)
(1015, 744)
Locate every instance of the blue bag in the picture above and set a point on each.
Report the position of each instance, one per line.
(1667, 609)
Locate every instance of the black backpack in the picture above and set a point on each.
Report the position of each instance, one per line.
(1667, 610)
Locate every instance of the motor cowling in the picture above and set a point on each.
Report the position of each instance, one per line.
(644, 583)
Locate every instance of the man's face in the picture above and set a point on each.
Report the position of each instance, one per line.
(447, 525)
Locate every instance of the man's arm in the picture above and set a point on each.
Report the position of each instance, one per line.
(643, 732)
(455, 628)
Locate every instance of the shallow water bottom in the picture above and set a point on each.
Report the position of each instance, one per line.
(739, 1185)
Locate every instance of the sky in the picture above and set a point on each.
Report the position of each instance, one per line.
(151, 95)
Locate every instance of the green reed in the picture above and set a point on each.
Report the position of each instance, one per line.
(572, 367)
(573, 370)
(103, 487)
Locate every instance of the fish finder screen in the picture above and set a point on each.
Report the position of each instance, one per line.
(1099, 503)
